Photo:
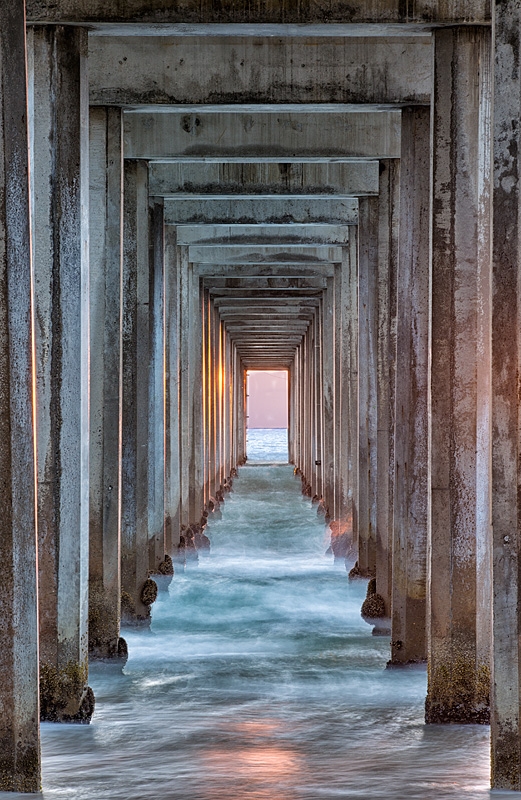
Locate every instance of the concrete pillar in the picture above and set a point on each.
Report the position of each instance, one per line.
(135, 354)
(367, 383)
(506, 367)
(19, 724)
(459, 674)
(185, 404)
(156, 407)
(345, 410)
(327, 396)
(211, 401)
(351, 300)
(317, 431)
(409, 563)
(389, 216)
(172, 480)
(61, 252)
(105, 259)
(196, 365)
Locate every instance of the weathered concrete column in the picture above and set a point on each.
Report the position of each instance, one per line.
(389, 216)
(61, 185)
(105, 259)
(345, 410)
(328, 397)
(172, 481)
(241, 412)
(19, 724)
(190, 390)
(156, 404)
(411, 489)
(135, 353)
(351, 301)
(185, 403)
(506, 367)
(196, 377)
(316, 474)
(211, 401)
(367, 382)
(459, 674)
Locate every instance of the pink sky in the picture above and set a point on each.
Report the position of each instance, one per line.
(268, 399)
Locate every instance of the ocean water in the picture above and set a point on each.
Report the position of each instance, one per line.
(268, 445)
(260, 681)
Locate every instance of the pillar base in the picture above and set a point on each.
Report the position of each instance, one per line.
(412, 664)
(64, 694)
(136, 613)
(113, 651)
(20, 773)
(458, 695)
(506, 767)
(355, 572)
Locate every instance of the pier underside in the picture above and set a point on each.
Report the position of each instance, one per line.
(193, 190)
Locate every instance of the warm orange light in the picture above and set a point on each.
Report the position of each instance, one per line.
(260, 768)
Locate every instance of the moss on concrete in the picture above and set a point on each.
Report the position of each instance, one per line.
(64, 693)
(20, 773)
(373, 607)
(458, 692)
(149, 592)
(104, 621)
(127, 604)
(505, 761)
(166, 567)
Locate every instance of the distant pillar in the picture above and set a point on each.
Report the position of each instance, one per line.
(389, 215)
(317, 436)
(19, 723)
(196, 377)
(135, 344)
(61, 252)
(105, 257)
(185, 404)
(506, 368)
(351, 301)
(367, 381)
(459, 670)
(409, 563)
(172, 481)
(156, 403)
(345, 409)
(328, 397)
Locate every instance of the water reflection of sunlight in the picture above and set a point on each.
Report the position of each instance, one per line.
(258, 766)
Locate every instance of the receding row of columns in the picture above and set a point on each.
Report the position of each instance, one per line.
(403, 400)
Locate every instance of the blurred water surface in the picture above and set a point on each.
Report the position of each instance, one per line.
(260, 681)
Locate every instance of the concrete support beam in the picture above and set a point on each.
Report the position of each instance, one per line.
(262, 234)
(287, 271)
(230, 209)
(60, 176)
(272, 15)
(411, 489)
(217, 131)
(19, 723)
(506, 365)
(135, 407)
(253, 69)
(367, 383)
(105, 259)
(271, 254)
(459, 667)
(262, 176)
